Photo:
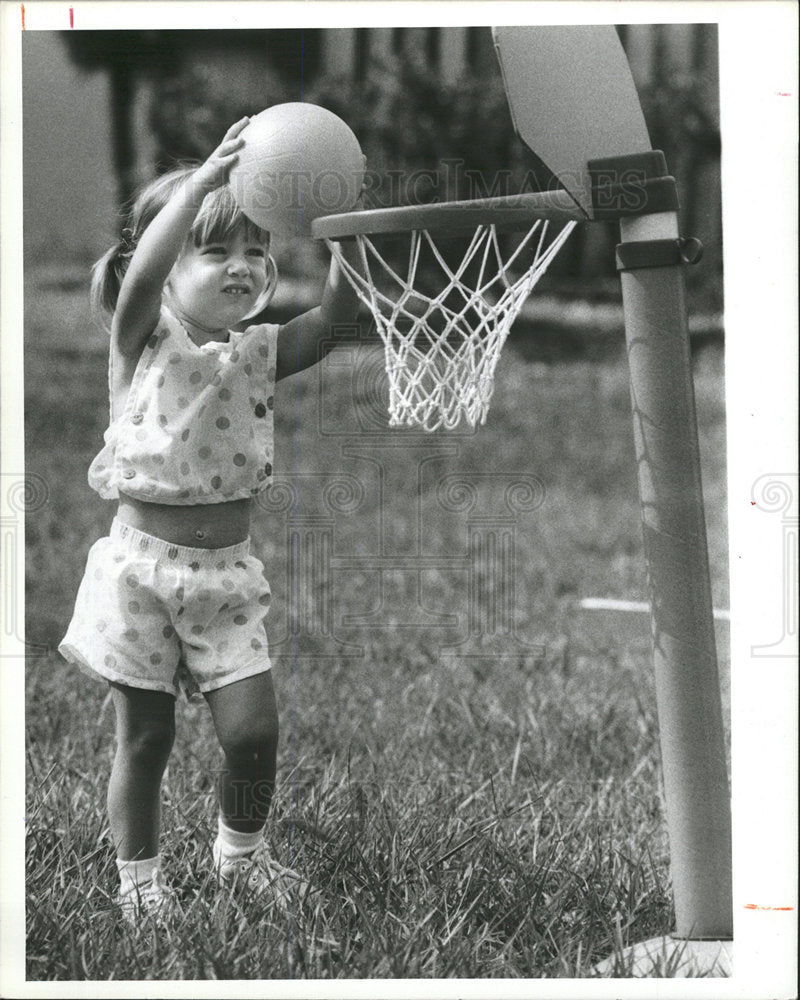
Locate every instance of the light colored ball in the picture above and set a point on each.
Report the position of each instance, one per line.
(298, 162)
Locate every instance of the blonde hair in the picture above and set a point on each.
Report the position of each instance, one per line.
(218, 217)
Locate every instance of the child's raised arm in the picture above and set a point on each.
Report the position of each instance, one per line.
(299, 340)
(139, 301)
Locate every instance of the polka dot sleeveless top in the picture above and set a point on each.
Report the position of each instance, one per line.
(197, 426)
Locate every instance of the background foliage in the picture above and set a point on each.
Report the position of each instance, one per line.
(424, 139)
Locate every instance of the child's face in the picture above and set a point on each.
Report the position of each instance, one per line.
(217, 284)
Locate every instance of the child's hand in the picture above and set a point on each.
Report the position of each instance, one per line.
(361, 204)
(214, 172)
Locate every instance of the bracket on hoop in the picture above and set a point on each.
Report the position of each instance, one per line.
(658, 253)
(637, 184)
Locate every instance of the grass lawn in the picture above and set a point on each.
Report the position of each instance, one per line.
(469, 771)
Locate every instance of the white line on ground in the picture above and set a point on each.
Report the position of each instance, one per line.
(641, 607)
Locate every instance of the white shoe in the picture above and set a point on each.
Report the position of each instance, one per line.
(149, 899)
(260, 875)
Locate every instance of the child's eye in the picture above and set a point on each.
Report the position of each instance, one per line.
(215, 250)
(256, 252)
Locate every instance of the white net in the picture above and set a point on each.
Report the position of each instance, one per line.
(442, 345)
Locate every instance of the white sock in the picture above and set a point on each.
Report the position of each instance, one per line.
(135, 874)
(234, 843)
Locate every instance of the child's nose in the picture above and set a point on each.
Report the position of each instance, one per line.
(237, 265)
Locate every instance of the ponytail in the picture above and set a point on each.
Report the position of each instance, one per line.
(107, 275)
(108, 272)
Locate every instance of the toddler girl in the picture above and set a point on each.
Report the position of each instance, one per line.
(174, 595)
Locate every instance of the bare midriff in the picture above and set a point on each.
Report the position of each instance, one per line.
(201, 526)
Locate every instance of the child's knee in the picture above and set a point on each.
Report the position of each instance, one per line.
(246, 720)
(256, 742)
(146, 743)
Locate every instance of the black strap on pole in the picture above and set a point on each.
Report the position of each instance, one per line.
(658, 253)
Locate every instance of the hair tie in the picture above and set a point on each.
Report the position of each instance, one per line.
(127, 242)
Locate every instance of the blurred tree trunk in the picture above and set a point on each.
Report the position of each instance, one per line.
(122, 91)
(122, 55)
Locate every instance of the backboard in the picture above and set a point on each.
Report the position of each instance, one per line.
(572, 98)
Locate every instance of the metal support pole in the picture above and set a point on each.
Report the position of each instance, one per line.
(687, 681)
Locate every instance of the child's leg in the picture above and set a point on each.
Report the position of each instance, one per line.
(145, 732)
(246, 721)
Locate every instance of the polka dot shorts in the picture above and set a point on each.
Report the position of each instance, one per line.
(158, 616)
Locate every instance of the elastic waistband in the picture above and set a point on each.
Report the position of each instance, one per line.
(133, 538)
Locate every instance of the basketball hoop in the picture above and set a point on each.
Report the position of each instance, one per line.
(443, 326)
(574, 103)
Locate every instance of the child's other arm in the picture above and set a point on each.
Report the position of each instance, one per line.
(139, 301)
(299, 340)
